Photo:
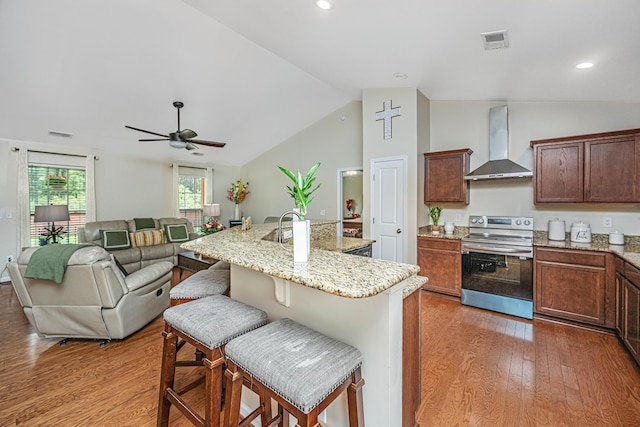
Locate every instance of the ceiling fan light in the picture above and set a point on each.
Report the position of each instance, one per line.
(177, 143)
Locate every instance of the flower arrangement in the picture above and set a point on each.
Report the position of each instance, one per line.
(351, 205)
(211, 227)
(301, 190)
(238, 191)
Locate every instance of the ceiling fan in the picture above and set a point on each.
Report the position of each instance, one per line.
(180, 138)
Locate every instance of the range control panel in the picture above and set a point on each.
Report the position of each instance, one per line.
(505, 222)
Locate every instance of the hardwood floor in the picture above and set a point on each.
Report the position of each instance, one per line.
(479, 368)
(486, 369)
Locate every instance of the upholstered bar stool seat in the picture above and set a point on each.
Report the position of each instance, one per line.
(204, 283)
(303, 370)
(207, 324)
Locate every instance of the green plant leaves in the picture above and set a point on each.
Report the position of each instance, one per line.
(301, 190)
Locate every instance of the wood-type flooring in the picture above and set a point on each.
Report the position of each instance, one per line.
(479, 369)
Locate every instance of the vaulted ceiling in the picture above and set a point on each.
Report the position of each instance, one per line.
(253, 73)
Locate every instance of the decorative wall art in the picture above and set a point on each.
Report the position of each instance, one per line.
(387, 114)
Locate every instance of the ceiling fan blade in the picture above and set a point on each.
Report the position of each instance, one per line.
(188, 134)
(207, 143)
(191, 146)
(146, 131)
(163, 139)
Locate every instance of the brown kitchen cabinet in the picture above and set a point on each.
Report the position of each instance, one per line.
(575, 285)
(444, 173)
(596, 168)
(628, 307)
(440, 260)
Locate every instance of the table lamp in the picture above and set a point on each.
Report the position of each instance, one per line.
(51, 214)
(211, 211)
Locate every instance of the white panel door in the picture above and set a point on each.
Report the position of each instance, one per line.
(388, 205)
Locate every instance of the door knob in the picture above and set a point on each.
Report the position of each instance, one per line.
(398, 231)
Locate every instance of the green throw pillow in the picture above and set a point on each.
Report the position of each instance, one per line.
(176, 233)
(113, 240)
(144, 223)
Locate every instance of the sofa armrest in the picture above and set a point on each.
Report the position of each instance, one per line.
(147, 275)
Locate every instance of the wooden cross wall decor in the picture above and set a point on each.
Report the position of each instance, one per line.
(387, 114)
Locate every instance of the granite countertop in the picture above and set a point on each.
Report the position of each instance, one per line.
(630, 251)
(328, 270)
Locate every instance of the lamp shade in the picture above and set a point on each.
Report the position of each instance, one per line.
(211, 210)
(51, 213)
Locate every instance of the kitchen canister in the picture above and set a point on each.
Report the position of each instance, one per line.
(556, 229)
(449, 227)
(580, 232)
(616, 238)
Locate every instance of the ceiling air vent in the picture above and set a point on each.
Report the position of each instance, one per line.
(495, 40)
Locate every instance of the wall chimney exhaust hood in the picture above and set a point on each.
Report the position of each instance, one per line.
(499, 165)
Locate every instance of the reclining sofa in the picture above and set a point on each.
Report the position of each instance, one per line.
(139, 242)
(94, 299)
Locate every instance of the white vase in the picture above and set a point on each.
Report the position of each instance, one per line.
(301, 240)
(236, 213)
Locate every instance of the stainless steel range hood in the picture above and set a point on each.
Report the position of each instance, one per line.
(499, 165)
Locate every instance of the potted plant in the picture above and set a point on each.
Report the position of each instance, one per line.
(301, 192)
(434, 213)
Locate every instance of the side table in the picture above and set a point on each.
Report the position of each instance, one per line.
(193, 262)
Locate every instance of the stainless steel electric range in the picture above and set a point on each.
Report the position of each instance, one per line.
(497, 264)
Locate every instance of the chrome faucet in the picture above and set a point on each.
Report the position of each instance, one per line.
(280, 223)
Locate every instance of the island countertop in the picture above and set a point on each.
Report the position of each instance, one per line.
(327, 270)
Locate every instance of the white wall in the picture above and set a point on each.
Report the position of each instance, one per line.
(465, 124)
(406, 130)
(335, 141)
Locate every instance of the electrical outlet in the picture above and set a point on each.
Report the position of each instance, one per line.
(607, 222)
(323, 212)
(9, 215)
(458, 217)
(9, 258)
(287, 234)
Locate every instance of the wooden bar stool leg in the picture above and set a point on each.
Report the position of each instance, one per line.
(354, 399)
(167, 375)
(233, 395)
(214, 373)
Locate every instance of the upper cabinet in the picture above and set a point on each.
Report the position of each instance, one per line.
(597, 168)
(444, 173)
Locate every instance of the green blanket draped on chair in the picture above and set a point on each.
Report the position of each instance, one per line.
(50, 262)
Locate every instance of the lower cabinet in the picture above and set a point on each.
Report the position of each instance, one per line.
(574, 285)
(440, 260)
(628, 307)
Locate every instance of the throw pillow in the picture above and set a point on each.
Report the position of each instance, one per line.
(120, 267)
(144, 223)
(147, 238)
(176, 233)
(113, 240)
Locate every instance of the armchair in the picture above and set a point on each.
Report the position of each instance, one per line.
(95, 299)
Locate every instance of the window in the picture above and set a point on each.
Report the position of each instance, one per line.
(57, 185)
(192, 190)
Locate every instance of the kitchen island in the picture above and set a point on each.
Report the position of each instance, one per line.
(370, 304)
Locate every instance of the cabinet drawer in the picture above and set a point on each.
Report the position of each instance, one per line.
(594, 259)
(619, 265)
(441, 244)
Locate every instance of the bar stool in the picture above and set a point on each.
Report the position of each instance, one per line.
(207, 324)
(301, 369)
(213, 281)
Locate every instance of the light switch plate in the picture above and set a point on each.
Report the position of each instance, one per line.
(9, 215)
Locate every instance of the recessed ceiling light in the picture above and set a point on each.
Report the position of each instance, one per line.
(401, 76)
(324, 4)
(584, 65)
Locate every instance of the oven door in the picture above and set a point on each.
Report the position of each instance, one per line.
(498, 282)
